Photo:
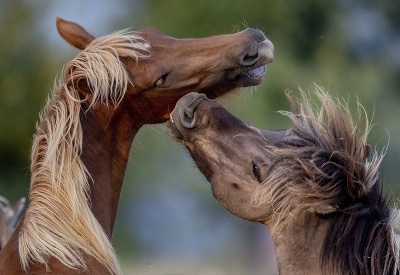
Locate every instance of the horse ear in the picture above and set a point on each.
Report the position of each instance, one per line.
(324, 209)
(14, 212)
(74, 34)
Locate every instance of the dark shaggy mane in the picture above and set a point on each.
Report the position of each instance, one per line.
(337, 169)
(359, 239)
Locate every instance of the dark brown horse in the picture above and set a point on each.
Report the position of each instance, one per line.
(116, 84)
(315, 187)
(9, 217)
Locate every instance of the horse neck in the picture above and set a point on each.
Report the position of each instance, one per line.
(298, 247)
(107, 139)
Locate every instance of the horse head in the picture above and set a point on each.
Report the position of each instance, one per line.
(315, 186)
(161, 68)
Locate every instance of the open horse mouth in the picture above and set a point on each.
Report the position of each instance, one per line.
(250, 72)
(254, 63)
(256, 73)
(254, 76)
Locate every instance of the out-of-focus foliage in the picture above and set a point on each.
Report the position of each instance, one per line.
(348, 47)
(25, 78)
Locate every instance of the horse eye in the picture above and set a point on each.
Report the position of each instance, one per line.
(256, 172)
(161, 80)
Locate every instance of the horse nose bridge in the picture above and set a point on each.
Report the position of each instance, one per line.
(254, 35)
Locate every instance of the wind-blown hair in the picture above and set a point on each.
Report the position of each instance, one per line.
(58, 222)
(326, 169)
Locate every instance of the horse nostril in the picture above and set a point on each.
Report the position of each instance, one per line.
(250, 55)
(253, 51)
(188, 117)
(187, 107)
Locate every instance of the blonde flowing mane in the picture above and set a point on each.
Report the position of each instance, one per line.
(58, 222)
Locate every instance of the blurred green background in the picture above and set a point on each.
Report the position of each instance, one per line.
(168, 221)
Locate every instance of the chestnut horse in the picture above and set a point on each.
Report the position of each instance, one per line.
(9, 217)
(115, 85)
(315, 187)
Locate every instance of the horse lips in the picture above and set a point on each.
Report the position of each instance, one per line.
(256, 73)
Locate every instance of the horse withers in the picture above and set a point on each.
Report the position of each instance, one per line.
(315, 186)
